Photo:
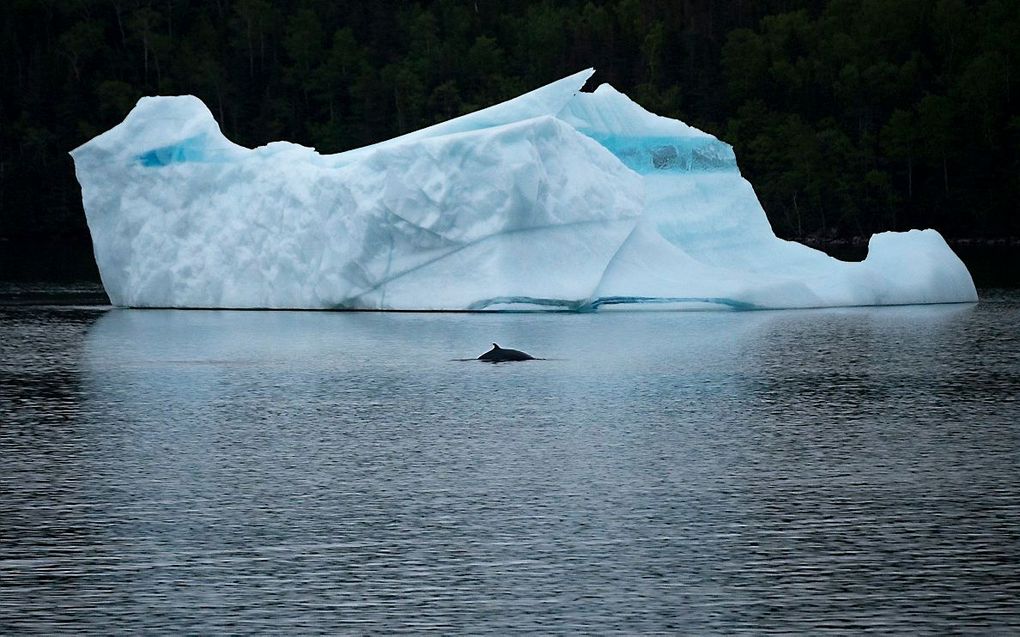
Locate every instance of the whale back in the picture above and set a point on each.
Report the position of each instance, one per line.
(499, 355)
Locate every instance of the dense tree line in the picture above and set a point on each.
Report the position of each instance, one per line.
(848, 116)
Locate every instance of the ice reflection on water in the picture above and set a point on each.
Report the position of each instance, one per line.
(703, 472)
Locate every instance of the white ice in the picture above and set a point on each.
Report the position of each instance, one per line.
(557, 199)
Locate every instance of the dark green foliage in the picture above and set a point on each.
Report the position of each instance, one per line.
(848, 116)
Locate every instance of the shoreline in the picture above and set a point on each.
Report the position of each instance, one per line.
(862, 242)
(993, 262)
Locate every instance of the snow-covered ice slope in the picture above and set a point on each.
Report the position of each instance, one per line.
(554, 200)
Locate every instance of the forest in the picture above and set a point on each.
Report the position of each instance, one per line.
(848, 116)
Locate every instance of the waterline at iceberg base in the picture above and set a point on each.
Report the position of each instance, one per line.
(555, 200)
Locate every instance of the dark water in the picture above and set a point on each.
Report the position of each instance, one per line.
(798, 471)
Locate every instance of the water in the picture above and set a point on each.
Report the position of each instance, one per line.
(718, 472)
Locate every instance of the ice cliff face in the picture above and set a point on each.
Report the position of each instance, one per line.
(554, 200)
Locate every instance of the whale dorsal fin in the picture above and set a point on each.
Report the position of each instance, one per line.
(496, 346)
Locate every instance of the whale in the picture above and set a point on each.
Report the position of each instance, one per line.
(500, 355)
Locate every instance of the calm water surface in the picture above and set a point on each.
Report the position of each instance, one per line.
(798, 471)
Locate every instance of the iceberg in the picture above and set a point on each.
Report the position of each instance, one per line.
(555, 200)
